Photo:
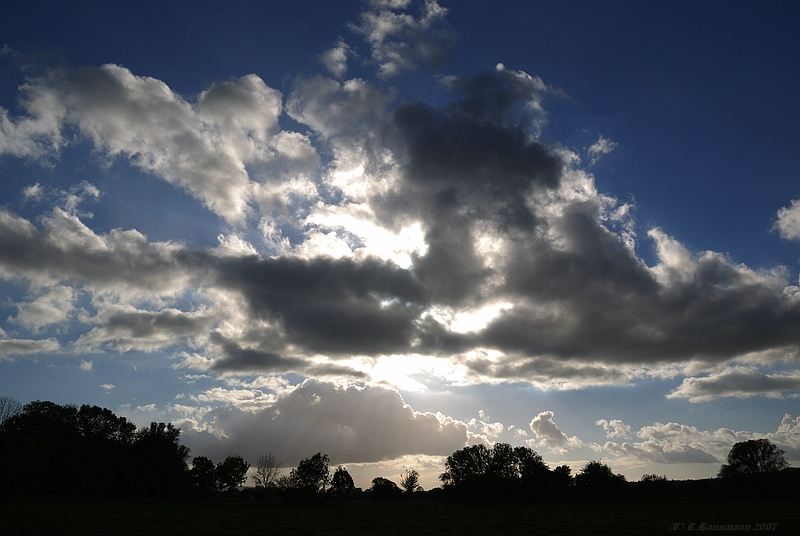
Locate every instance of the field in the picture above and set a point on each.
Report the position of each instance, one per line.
(244, 517)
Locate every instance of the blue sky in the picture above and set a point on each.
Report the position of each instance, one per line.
(385, 230)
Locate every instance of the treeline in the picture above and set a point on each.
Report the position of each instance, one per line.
(50, 449)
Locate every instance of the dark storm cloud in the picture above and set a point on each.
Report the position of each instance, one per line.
(69, 250)
(244, 360)
(468, 164)
(331, 306)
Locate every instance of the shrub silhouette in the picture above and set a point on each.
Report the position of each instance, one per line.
(597, 480)
(384, 489)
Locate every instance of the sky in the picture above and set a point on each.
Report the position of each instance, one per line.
(385, 230)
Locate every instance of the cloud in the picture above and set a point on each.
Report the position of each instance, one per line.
(548, 435)
(330, 306)
(125, 328)
(675, 443)
(601, 147)
(203, 147)
(738, 382)
(52, 307)
(65, 249)
(335, 59)
(12, 347)
(614, 428)
(399, 41)
(788, 221)
(350, 424)
(449, 232)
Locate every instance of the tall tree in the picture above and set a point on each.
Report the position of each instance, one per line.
(267, 470)
(342, 484)
(410, 482)
(312, 474)
(204, 478)
(753, 456)
(9, 407)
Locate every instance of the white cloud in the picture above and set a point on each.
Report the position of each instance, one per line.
(548, 434)
(335, 59)
(86, 365)
(788, 221)
(399, 41)
(204, 147)
(737, 382)
(52, 307)
(614, 428)
(601, 147)
(675, 443)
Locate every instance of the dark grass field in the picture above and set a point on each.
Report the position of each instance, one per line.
(245, 517)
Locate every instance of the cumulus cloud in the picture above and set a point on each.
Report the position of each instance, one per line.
(335, 59)
(614, 428)
(203, 147)
(737, 382)
(450, 232)
(52, 307)
(675, 443)
(350, 424)
(548, 434)
(788, 221)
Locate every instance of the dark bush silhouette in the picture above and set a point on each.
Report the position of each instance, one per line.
(596, 480)
(752, 457)
(384, 489)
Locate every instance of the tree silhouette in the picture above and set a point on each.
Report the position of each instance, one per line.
(342, 484)
(9, 407)
(752, 457)
(312, 474)
(267, 470)
(384, 489)
(162, 458)
(47, 448)
(597, 480)
(203, 476)
(410, 482)
(231, 472)
(500, 473)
